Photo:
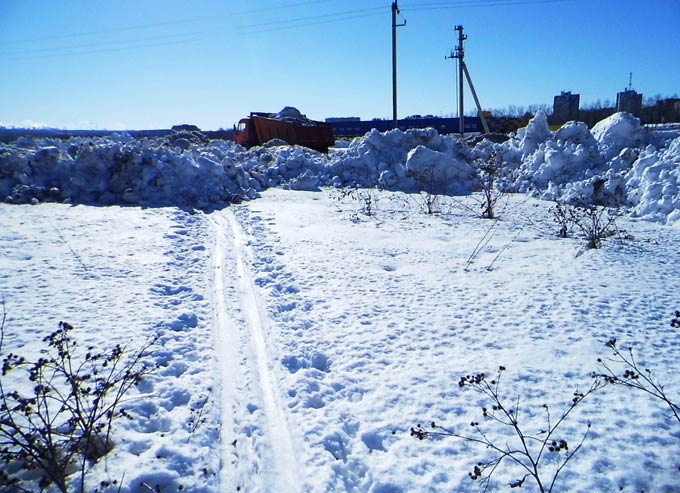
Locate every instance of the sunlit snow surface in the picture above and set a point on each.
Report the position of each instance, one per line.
(300, 339)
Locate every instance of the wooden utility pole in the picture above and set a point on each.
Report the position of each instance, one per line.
(462, 70)
(395, 11)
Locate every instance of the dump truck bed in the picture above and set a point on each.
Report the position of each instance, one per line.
(318, 136)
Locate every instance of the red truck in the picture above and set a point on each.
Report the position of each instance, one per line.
(298, 130)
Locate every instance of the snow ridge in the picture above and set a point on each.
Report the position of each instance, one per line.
(618, 162)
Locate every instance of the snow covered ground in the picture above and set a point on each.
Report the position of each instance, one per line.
(305, 338)
(301, 339)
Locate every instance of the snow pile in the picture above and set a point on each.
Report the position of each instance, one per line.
(607, 166)
(653, 184)
(150, 172)
(552, 164)
(185, 138)
(618, 163)
(534, 134)
(617, 132)
(292, 114)
(116, 171)
(285, 166)
(381, 158)
(438, 172)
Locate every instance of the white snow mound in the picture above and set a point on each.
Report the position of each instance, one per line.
(618, 163)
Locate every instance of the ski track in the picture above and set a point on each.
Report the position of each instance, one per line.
(256, 445)
(225, 355)
(313, 386)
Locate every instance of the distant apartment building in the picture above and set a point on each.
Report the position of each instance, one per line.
(668, 110)
(565, 107)
(629, 101)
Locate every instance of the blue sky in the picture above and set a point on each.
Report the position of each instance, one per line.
(154, 63)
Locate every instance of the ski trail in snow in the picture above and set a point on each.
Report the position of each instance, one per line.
(226, 343)
(279, 468)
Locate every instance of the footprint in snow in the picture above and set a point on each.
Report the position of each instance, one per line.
(180, 397)
(318, 361)
(175, 369)
(314, 401)
(167, 290)
(373, 441)
(337, 444)
(183, 322)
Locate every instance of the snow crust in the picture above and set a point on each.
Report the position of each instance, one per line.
(618, 163)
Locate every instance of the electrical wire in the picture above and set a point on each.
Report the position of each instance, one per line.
(101, 31)
(109, 49)
(308, 21)
(25, 53)
(304, 20)
(309, 24)
(279, 7)
(102, 44)
(475, 4)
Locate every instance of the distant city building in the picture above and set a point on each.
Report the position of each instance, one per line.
(565, 107)
(629, 101)
(337, 119)
(668, 110)
(352, 127)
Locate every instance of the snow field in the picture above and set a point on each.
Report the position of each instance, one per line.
(365, 326)
(378, 319)
(122, 275)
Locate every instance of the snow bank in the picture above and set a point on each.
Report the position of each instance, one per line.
(619, 162)
(617, 132)
(653, 184)
(380, 158)
(534, 134)
(437, 172)
(151, 172)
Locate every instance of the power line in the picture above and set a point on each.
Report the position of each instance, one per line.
(308, 21)
(87, 51)
(280, 7)
(103, 44)
(309, 24)
(477, 4)
(304, 20)
(101, 31)
(171, 39)
(325, 20)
